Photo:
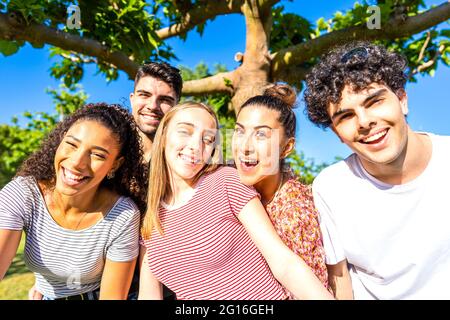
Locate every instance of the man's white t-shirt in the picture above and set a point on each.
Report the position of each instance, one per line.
(396, 237)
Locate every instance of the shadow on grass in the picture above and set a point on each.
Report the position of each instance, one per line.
(18, 265)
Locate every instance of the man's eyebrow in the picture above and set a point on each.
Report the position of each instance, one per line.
(143, 91)
(94, 147)
(166, 97)
(338, 113)
(371, 96)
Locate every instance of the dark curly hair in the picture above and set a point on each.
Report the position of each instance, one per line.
(357, 64)
(131, 177)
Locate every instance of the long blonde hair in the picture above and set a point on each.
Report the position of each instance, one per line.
(159, 185)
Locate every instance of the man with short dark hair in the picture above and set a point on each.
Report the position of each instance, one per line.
(384, 210)
(157, 88)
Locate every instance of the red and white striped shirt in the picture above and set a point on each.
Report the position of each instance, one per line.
(205, 252)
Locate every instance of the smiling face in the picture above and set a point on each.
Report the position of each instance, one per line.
(258, 144)
(372, 123)
(151, 99)
(84, 157)
(190, 141)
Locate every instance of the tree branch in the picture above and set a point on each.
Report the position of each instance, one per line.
(199, 15)
(424, 47)
(12, 28)
(219, 83)
(202, 13)
(429, 63)
(297, 55)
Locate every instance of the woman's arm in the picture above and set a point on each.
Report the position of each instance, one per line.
(340, 281)
(116, 280)
(149, 287)
(9, 242)
(289, 269)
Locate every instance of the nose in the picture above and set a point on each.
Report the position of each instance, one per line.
(79, 159)
(152, 103)
(195, 143)
(365, 119)
(247, 145)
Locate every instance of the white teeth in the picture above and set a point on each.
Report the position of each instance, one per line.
(375, 137)
(72, 176)
(189, 159)
(249, 161)
(149, 117)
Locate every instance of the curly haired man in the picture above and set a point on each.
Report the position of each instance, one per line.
(385, 209)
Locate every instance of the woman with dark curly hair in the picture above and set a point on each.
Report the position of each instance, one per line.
(78, 200)
(384, 209)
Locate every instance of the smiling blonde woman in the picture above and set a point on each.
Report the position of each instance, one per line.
(205, 235)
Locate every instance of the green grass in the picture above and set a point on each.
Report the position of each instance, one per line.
(18, 279)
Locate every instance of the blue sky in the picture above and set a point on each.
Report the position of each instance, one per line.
(25, 76)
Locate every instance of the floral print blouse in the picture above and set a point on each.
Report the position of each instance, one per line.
(295, 219)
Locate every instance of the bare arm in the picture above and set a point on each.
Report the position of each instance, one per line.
(116, 280)
(149, 287)
(9, 242)
(340, 281)
(289, 269)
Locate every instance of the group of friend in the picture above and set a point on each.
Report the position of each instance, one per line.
(117, 205)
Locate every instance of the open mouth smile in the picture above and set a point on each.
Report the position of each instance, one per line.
(248, 164)
(72, 178)
(189, 160)
(375, 138)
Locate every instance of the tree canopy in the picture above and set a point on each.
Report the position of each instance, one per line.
(279, 46)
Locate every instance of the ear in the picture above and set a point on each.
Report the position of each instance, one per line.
(290, 145)
(117, 163)
(335, 131)
(403, 97)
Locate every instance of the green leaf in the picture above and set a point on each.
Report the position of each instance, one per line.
(8, 48)
(322, 24)
(228, 82)
(445, 33)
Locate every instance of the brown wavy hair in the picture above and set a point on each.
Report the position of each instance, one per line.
(129, 180)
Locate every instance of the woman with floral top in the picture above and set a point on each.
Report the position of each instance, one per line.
(264, 135)
(205, 235)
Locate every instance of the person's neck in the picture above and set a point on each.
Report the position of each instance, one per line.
(147, 144)
(69, 205)
(181, 190)
(409, 165)
(269, 186)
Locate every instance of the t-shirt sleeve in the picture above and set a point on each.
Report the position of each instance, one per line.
(238, 194)
(334, 252)
(14, 205)
(125, 245)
